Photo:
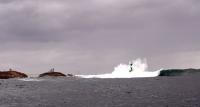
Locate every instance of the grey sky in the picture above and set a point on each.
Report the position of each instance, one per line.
(93, 36)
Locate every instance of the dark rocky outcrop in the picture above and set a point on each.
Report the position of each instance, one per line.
(178, 72)
(70, 75)
(12, 74)
(52, 74)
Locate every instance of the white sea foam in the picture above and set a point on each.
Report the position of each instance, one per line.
(30, 79)
(139, 69)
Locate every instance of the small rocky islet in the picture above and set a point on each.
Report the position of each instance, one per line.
(55, 74)
(52, 73)
(12, 74)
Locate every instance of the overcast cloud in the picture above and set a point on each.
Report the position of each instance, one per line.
(93, 36)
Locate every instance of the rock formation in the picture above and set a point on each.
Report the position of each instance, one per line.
(178, 72)
(52, 74)
(12, 74)
(70, 75)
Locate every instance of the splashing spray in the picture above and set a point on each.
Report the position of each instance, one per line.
(135, 69)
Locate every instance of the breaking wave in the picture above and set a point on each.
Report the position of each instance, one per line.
(30, 79)
(135, 69)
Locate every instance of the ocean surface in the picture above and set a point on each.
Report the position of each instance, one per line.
(178, 91)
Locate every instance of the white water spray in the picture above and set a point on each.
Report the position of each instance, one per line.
(138, 69)
(30, 79)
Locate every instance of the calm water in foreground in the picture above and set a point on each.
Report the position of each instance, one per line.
(183, 91)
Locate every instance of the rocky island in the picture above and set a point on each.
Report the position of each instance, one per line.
(52, 73)
(178, 72)
(12, 74)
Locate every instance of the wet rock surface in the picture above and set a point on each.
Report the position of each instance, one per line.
(182, 91)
